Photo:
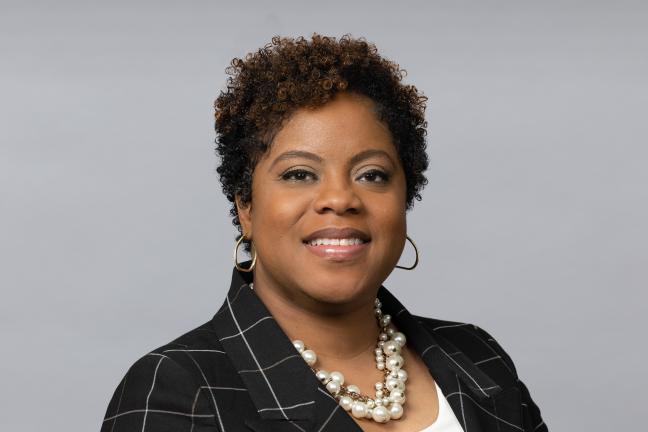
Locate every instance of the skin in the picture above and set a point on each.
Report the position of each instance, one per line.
(329, 303)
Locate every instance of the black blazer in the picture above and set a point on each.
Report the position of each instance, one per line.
(240, 372)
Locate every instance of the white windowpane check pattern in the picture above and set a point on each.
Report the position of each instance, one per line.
(240, 372)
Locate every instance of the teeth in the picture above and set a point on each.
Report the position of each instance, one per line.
(335, 242)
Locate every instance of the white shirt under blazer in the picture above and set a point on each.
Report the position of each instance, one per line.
(446, 421)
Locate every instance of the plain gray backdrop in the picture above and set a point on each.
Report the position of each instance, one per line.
(115, 237)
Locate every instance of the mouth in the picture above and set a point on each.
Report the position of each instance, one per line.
(337, 244)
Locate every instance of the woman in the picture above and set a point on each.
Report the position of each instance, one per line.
(323, 152)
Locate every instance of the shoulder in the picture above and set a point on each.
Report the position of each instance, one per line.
(166, 384)
(185, 354)
(472, 340)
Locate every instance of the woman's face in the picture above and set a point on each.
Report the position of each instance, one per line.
(332, 168)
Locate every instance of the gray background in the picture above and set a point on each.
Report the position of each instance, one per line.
(115, 238)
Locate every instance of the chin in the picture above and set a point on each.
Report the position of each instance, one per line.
(335, 292)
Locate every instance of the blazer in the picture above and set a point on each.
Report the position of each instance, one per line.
(240, 372)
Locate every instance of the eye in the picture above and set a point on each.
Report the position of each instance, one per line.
(375, 176)
(298, 175)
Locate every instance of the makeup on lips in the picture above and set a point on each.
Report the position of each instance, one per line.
(337, 243)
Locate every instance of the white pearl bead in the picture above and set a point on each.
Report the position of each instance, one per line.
(380, 366)
(390, 331)
(369, 413)
(380, 414)
(378, 351)
(371, 403)
(394, 362)
(309, 357)
(385, 401)
(402, 375)
(323, 376)
(391, 347)
(359, 410)
(346, 402)
(385, 320)
(299, 345)
(390, 383)
(379, 393)
(379, 386)
(399, 338)
(395, 411)
(383, 337)
(397, 396)
(394, 384)
(333, 387)
(353, 389)
(380, 358)
(337, 377)
(377, 303)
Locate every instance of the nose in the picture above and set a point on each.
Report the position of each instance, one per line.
(337, 195)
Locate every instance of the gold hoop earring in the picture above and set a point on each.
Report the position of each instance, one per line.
(416, 260)
(236, 263)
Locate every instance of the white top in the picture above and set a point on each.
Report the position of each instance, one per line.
(446, 420)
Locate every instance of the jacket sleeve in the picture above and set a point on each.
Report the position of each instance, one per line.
(532, 418)
(157, 394)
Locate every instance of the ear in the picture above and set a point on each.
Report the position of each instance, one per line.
(245, 216)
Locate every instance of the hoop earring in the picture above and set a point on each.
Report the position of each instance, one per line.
(417, 256)
(236, 263)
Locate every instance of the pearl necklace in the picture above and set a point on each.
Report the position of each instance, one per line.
(390, 393)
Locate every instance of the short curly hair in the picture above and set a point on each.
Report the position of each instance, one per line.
(266, 87)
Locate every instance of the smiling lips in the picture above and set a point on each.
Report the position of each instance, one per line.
(337, 244)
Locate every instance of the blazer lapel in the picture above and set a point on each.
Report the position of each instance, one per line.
(327, 416)
(457, 376)
(284, 390)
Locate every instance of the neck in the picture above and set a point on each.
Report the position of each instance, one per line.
(333, 331)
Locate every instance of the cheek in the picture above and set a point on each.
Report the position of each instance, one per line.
(277, 211)
(391, 220)
(390, 227)
(390, 211)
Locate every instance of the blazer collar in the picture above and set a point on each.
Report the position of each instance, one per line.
(281, 384)
(445, 361)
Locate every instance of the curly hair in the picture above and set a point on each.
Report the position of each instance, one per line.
(266, 87)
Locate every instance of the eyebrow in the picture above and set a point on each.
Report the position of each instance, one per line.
(312, 156)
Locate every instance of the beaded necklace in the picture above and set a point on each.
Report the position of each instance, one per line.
(387, 404)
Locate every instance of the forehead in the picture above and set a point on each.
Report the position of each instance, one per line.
(342, 127)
